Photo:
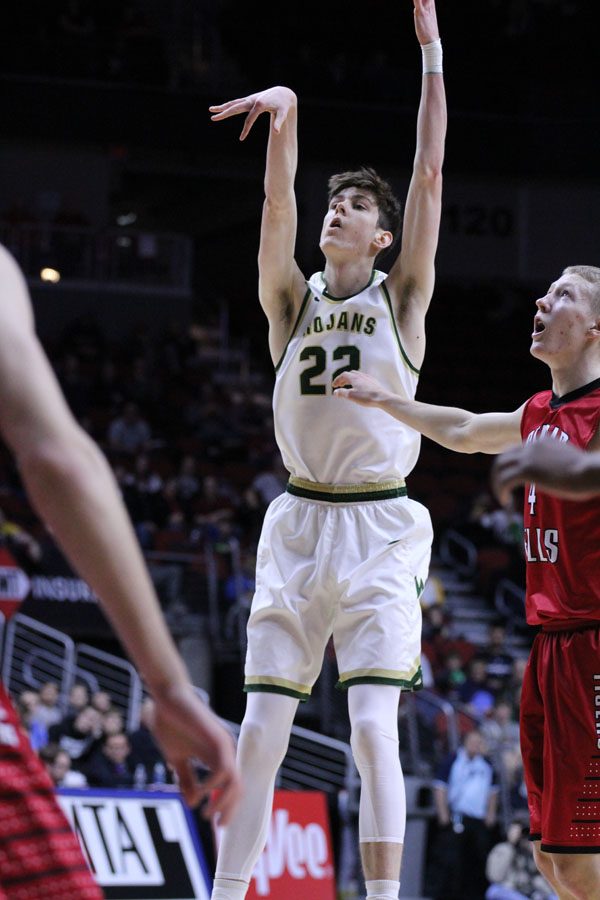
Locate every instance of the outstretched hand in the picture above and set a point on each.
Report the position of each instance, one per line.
(426, 24)
(189, 732)
(276, 100)
(359, 387)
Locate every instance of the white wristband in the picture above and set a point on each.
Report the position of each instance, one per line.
(432, 58)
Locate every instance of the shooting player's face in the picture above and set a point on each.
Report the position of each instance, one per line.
(350, 224)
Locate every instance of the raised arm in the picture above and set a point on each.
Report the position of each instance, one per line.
(281, 283)
(412, 276)
(553, 466)
(456, 429)
(72, 488)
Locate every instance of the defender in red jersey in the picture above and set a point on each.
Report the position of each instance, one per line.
(74, 492)
(560, 706)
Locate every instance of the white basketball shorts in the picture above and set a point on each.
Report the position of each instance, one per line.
(352, 569)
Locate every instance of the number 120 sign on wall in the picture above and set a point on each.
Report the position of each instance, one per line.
(297, 861)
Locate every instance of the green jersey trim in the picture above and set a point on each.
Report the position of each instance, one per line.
(329, 296)
(405, 358)
(299, 318)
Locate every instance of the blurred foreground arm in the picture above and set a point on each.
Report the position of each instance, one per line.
(553, 466)
(73, 490)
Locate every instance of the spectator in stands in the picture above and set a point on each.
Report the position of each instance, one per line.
(451, 678)
(239, 586)
(504, 522)
(48, 711)
(518, 792)
(78, 734)
(511, 869)
(214, 509)
(102, 701)
(79, 697)
(28, 701)
(153, 508)
(186, 484)
(466, 801)
(438, 640)
(501, 729)
(515, 685)
(27, 705)
(209, 419)
(111, 766)
(501, 735)
(479, 513)
(270, 482)
(145, 499)
(427, 671)
(129, 433)
(113, 722)
(499, 661)
(144, 749)
(58, 765)
(475, 692)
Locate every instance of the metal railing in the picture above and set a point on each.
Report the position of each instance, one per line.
(509, 600)
(106, 672)
(458, 552)
(315, 762)
(430, 704)
(108, 259)
(36, 653)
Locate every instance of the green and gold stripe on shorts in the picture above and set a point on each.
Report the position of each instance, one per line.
(408, 681)
(273, 685)
(346, 493)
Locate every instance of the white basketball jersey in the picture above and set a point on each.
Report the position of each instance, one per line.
(331, 440)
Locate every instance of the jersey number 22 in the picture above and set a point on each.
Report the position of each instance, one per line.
(319, 357)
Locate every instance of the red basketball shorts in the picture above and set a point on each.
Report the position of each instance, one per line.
(560, 740)
(40, 857)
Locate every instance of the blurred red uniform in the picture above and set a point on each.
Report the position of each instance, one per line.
(40, 857)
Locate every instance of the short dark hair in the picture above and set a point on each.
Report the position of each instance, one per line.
(388, 205)
(49, 752)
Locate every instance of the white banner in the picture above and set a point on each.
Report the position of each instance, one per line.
(139, 845)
